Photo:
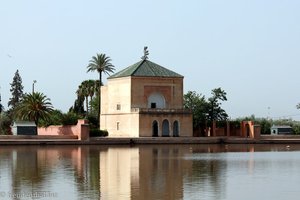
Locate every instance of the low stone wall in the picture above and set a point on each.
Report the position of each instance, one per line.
(81, 130)
(281, 137)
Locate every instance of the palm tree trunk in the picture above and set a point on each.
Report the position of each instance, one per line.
(99, 93)
(87, 105)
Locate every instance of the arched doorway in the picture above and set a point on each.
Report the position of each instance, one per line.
(175, 129)
(165, 128)
(154, 129)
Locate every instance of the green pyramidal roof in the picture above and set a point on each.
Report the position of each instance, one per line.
(145, 68)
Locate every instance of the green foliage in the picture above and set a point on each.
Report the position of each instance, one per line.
(5, 122)
(94, 105)
(16, 91)
(78, 106)
(34, 107)
(215, 112)
(265, 125)
(205, 111)
(98, 133)
(296, 128)
(102, 64)
(93, 121)
(86, 92)
(198, 105)
(235, 124)
(56, 117)
(70, 118)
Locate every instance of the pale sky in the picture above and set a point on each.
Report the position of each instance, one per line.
(248, 48)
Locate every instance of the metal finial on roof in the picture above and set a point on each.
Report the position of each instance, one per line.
(146, 53)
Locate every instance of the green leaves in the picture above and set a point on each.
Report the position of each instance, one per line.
(16, 91)
(206, 110)
(33, 107)
(215, 112)
(101, 63)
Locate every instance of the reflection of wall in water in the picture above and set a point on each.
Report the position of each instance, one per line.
(119, 170)
(26, 173)
(146, 172)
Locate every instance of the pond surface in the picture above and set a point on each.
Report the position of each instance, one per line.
(150, 172)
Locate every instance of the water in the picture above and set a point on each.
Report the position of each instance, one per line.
(150, 172)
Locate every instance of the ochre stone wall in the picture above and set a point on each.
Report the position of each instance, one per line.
(121, 125)
(117, 91)
(184, 120)
(123, 101)
(170, 88)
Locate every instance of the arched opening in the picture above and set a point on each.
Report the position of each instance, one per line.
(247, 130)
(165, 128)
(156, 100)
(154, 129)
(175, 129)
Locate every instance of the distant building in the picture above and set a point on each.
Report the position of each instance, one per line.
(145, 100)
(24, 128)
(281, 130)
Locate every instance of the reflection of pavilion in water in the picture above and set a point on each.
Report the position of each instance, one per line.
(143, 173)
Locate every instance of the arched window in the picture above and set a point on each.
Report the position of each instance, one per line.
(165, 128)
(154, 129)
(156, 100)
(175, 129)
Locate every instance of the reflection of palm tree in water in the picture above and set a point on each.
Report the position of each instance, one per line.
(28, 172)
(88, 176)
(32, 166)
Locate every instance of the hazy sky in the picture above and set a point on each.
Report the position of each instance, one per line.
(249, 48)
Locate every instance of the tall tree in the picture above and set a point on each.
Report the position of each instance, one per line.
(102, 64)
(206, 110)
(86, 90)
(199, 107)
(78, 107)
(33, 107)
(196, 103)
(215, 112)
(16, 91)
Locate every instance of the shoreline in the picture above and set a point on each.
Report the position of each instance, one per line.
(70, 140)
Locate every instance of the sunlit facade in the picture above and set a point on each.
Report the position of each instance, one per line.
(145, 100)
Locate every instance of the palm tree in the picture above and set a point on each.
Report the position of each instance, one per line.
(82, 92)
(100, 63)
(91, 87)
(33, 107)
(85, 90)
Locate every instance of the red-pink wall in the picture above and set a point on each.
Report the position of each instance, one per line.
(81, 130)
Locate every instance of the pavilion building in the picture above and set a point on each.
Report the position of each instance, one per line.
(145, 100)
